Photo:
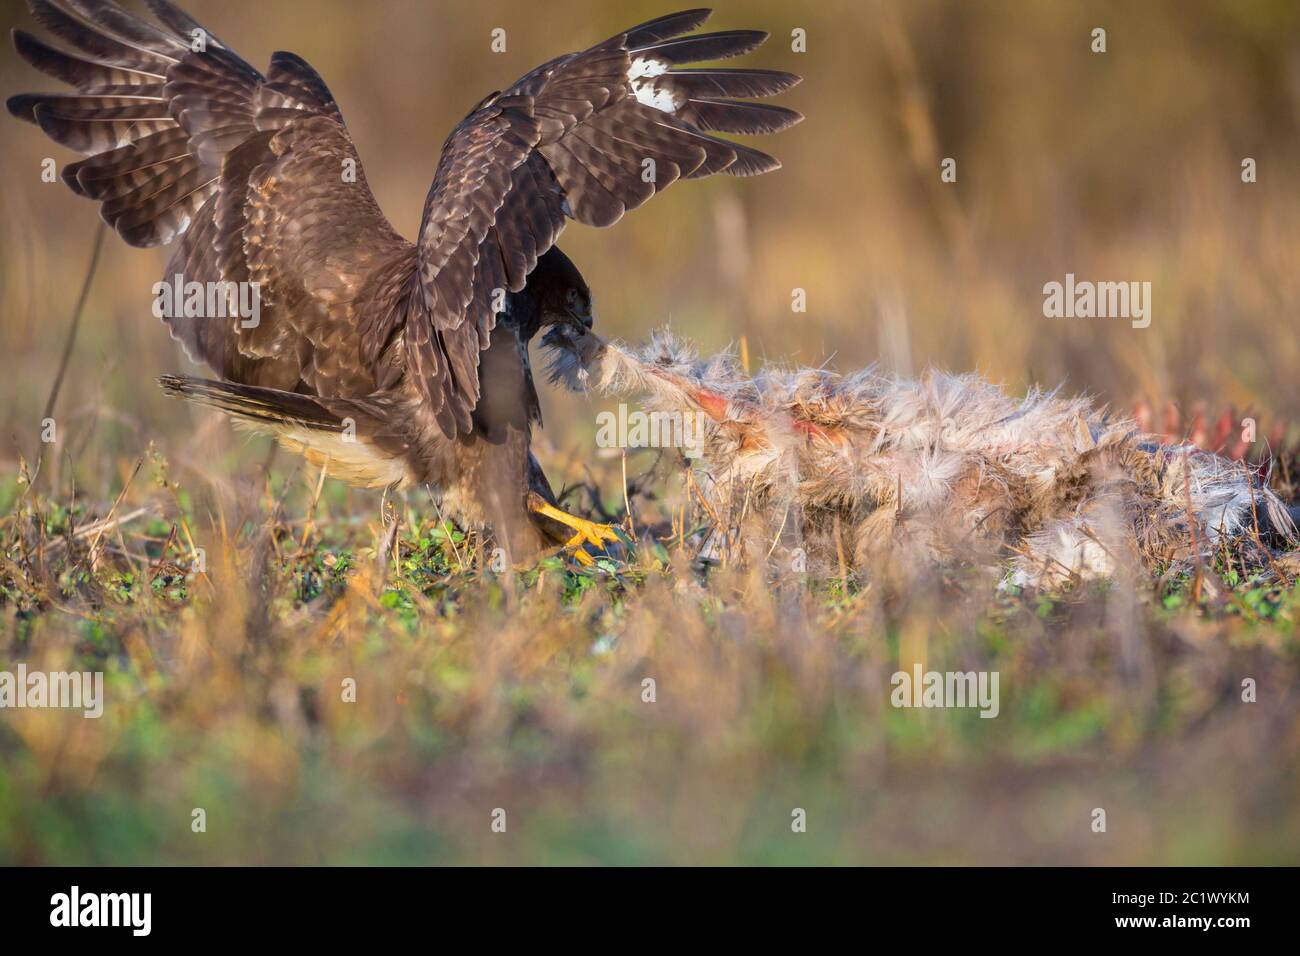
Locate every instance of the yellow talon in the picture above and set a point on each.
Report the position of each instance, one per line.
(588, 532)
(579, 555)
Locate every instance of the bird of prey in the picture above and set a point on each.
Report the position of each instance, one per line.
(387, 362)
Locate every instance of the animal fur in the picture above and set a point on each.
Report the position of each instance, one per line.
(869, 466)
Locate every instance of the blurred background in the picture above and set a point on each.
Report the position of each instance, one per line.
(1122, 166)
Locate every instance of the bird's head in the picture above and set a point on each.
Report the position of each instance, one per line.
(572, 305)
(561, 293)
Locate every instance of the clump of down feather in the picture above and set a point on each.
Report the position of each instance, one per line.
(866, 467)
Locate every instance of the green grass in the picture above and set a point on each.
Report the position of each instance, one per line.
(524, 692)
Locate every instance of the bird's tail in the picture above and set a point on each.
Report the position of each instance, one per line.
(350, 438)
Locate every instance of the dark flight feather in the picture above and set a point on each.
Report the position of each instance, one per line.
(258, 179)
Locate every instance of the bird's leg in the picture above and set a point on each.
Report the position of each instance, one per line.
(588, 532)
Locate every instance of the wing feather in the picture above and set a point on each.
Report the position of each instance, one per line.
(584, 126)
(186, 140)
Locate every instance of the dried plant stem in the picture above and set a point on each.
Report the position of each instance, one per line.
(839, 556)
(99, 527)
(388, 545)
(460, 564)
(76, 321)
(310, 523)
(1192, 527)
(627, 502)
(108, 519)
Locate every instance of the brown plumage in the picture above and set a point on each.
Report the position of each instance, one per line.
(396, 363)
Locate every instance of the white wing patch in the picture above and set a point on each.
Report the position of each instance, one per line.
(641, 76)
(644, 66)
(661, 100)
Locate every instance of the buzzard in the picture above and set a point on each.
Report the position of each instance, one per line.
(387, 362)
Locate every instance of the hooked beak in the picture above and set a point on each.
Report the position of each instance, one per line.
(583, 319)
(566, 334)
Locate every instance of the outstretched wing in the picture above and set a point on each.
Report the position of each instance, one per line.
(256, 175)
(586, 136)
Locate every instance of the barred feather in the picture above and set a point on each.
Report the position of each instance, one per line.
(186, 136)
